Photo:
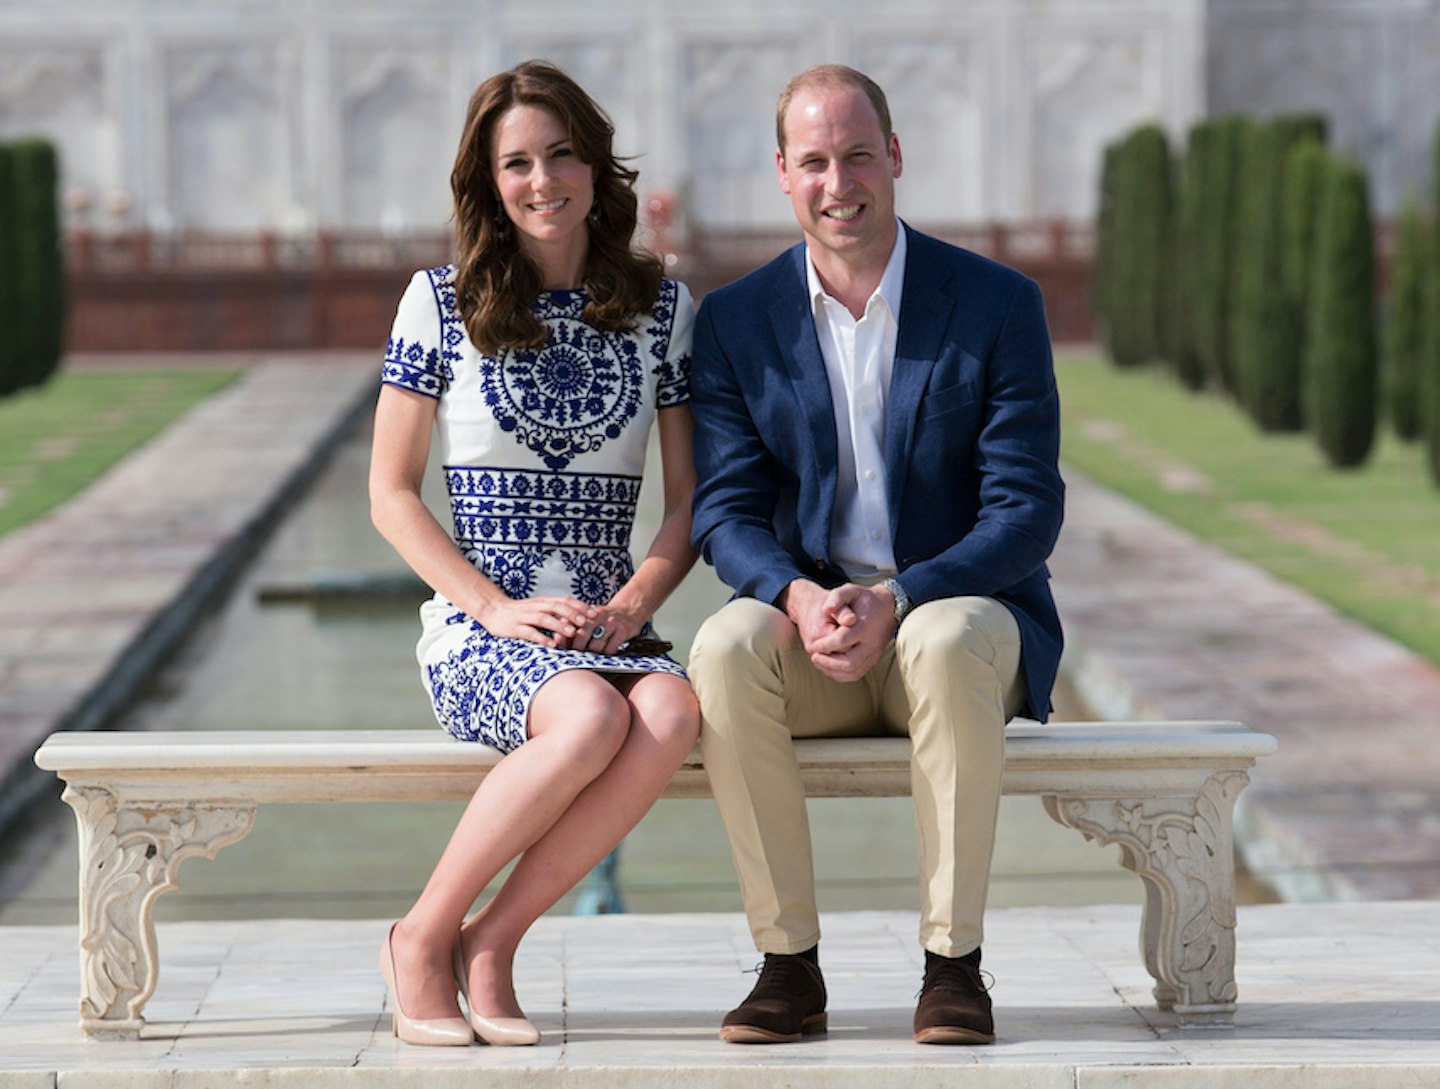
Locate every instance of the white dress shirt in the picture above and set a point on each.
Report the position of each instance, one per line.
(859, 359)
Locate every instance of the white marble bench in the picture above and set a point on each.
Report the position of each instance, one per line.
(1164, 792)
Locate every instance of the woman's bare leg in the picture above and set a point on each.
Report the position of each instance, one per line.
(664, 725)
(579, 721)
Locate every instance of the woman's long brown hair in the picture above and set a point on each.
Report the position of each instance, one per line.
(495, 283)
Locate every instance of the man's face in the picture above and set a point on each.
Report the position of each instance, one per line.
(840, 171)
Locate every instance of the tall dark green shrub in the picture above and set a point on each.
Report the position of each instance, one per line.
(1429, 382)
(1297, 127)
(10, 377)
(40, 262)
(1190, 247)
(1405, 333)
(1216, 177)
(1256, 272)
(1266, 349)
(1101, 272)
(1342, 372)
(1305, 166)
(1137, 262)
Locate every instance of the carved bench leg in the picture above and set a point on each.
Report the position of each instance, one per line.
(1183, 850)
(129, 854)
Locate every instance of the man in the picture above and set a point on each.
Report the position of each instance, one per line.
(877, 435)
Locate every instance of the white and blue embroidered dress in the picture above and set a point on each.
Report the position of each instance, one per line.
(543, 453)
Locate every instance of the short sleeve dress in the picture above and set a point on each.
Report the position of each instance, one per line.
(543, 453)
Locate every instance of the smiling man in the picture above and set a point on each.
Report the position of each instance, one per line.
(877, 435)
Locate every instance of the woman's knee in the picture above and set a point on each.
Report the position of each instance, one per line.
(670, 712)
(588, 720)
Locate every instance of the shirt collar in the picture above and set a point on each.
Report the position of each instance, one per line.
(892, 281)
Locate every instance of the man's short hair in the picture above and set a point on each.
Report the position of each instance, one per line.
(832, 76)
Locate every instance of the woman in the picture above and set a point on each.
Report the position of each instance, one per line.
(541, 359)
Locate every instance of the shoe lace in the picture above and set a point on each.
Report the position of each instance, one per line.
(955, 975)
(781, 970)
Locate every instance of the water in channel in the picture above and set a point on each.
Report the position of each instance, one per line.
(318, 632)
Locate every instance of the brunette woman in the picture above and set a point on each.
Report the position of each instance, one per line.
(540, 360)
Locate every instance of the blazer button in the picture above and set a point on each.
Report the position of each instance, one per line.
(819, 563)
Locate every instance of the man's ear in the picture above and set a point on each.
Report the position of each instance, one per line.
(897, 163)
(780, 170)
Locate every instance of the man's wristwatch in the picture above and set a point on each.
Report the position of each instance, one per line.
(903, 604)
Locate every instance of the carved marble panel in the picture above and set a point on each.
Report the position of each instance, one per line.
(62, 92)
(398, 136)
(727, 107)
(129, 855)
(1092, 85)
(1182, 848)
(231, 109)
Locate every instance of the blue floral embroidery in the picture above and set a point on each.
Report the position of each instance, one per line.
(571, 396)
(672, 375)
(482, 691)
(507, 521)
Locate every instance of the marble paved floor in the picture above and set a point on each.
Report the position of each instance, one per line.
(1330, 995)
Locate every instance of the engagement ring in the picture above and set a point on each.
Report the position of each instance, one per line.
(598, 633)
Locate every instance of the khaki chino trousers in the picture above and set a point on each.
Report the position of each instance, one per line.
(950, 680)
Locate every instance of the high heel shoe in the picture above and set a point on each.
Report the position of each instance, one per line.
(433, 1032)
(497, 1031)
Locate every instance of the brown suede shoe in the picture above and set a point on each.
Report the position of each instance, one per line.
(953, 1007)
(788, 1002)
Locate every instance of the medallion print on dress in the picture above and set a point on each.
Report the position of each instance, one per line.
(543, 453)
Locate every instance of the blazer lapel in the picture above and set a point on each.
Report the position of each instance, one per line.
(794, 327)
(925, 310)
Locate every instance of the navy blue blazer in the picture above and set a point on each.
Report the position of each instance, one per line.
(972, 440)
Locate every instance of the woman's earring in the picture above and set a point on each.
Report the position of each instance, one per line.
(593, 216)
(502, 226)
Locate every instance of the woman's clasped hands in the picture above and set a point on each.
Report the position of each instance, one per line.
(561, 622)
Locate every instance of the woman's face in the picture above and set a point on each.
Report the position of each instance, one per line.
(545, 188)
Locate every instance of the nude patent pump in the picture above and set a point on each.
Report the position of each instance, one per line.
(497, 1031)
(434, 1032)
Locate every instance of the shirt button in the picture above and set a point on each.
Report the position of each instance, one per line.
(869, 474)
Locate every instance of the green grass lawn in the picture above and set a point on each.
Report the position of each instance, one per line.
(1366, 540)
(56, 439)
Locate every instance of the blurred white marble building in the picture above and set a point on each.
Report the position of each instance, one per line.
(292, 115)
(243, 115)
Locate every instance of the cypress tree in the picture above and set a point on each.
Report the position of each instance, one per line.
(1252, 314)
(1305, 166)
(1342, 372)
(40, 265)
(10, 377)
(1410, 293)
(1101, 274)
(1140, 232)
(1190, 245)
(1215, 260)
(1429, 381)
(1266, 348)
(1297, 127)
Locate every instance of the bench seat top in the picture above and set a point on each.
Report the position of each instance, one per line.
(410, 764)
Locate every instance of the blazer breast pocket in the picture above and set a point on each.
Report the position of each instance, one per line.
(950, 399)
